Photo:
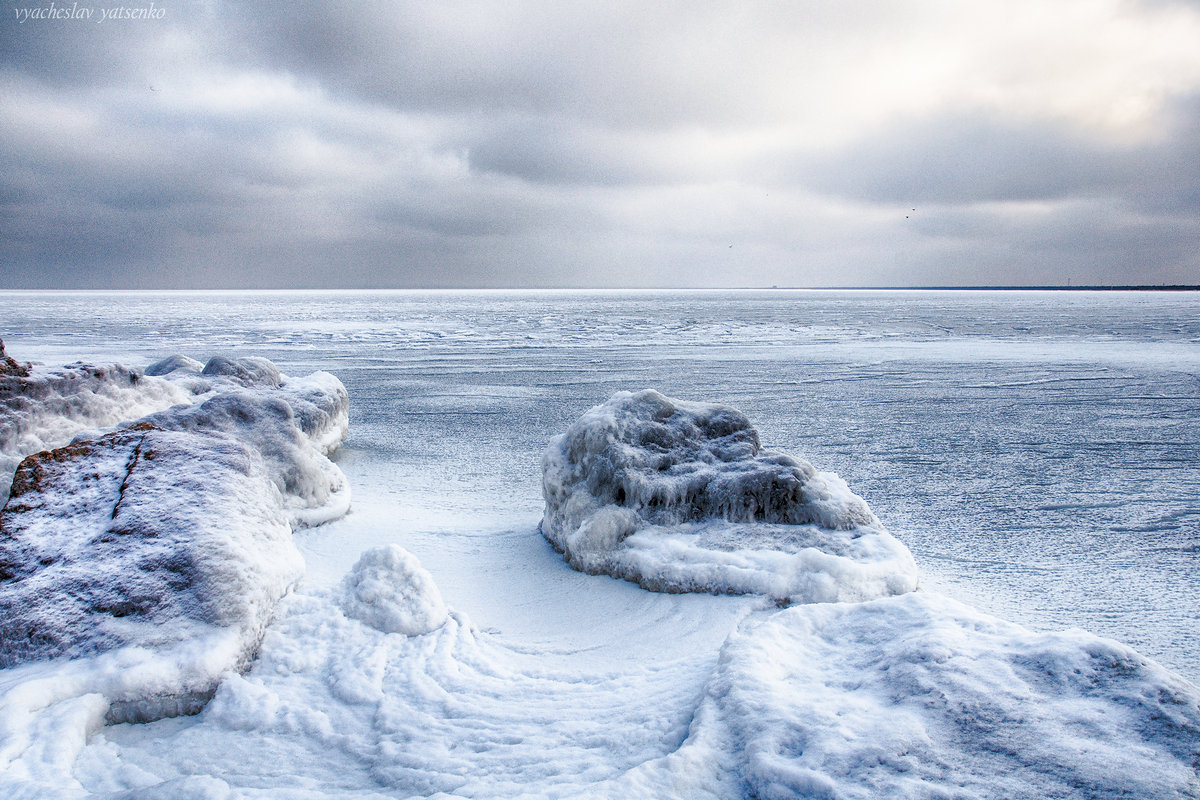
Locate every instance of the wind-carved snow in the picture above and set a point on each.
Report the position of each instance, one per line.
(336, 705)
(167, 543)
(920, 696)
(679, 496)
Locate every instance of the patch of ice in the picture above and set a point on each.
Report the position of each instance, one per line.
(679, 496)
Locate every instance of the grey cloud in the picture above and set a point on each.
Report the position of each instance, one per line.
(970, 159)
(416, 144)
(619, 63)
(1143, 197)
(74, 54)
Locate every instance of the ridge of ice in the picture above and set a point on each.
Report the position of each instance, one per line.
(680, 496)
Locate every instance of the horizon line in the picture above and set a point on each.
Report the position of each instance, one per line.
(1178, 287)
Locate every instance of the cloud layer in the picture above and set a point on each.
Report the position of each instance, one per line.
(338, 144)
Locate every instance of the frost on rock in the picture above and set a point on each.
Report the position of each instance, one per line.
(921, 696)
(679, 496)
(44, 407)
(389, 590)
(171, 531)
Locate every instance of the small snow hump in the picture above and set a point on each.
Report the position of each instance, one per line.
(680, 496)
(389, 590)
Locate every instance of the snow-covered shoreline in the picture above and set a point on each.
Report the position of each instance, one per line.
(912, 695)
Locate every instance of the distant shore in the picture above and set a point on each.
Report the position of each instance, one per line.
(1178, 287)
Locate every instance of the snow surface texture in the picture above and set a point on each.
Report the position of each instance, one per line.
(679, 496)
(335, 707)
(914, 696)
(370, 688)
(922, 697)
(169, 532)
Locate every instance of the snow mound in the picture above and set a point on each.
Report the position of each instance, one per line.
(290, 430)
(45, 407)
(679, 496)
(921, 696)
(319, 402)
(389, 590)
(173, 530)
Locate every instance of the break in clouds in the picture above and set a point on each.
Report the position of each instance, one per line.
(312, 144)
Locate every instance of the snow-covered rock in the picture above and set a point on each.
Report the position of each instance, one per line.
(9, 366)
(143, 538)
(171, 531)
(920, 696)
(679, 496)
(45, 407)
(389, 590)
(290, 428)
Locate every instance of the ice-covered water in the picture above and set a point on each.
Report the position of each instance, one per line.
(1038, 452)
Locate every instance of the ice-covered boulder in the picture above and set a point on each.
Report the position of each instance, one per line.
(168, 532)
(291, 429)
(921, 696)
(680, 496)
(143, 537)
(389, 590)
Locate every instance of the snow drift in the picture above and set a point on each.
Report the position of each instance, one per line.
(680, 496)
(920, 696)
(169, 532)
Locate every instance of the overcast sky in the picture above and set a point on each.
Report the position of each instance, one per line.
(286, 143)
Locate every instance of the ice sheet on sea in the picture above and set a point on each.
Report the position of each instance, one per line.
(679, 496)
(921, 696)
(174, 529)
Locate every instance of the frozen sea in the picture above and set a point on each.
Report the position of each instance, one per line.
(1038, 452)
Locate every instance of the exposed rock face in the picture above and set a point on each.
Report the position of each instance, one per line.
(8, 366)
(680, 496)
(171, 531)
